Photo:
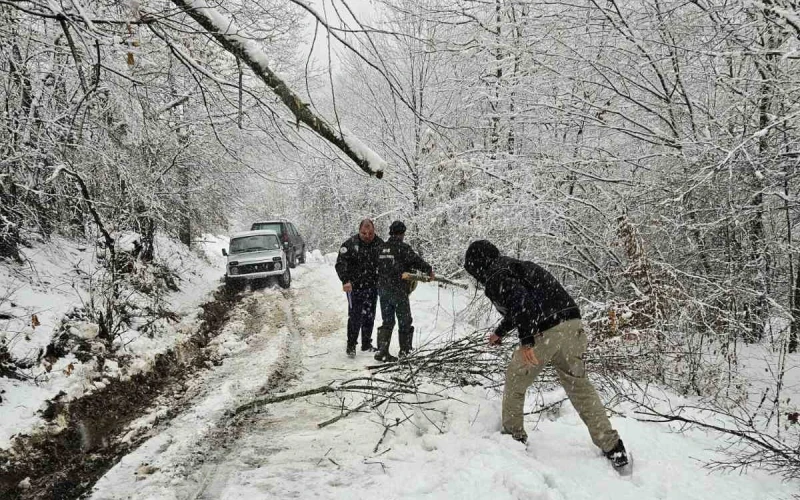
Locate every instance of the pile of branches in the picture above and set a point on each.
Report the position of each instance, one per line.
(471, 361)
(468, 361)
(414, 384)
(426, 377)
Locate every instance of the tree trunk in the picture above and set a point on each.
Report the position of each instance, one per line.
(9, 230)
(494, 134)
(793, 334)
(760, 256)
(185, 227)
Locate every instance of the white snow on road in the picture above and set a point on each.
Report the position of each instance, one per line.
(458, 452)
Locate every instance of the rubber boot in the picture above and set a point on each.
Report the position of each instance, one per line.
(384, 339)
(406, 341)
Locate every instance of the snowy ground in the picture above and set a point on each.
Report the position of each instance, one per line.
(293, 340)
(53, 280)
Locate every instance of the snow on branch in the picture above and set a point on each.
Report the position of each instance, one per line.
(228, 35)
(787, 12)
(175, 103)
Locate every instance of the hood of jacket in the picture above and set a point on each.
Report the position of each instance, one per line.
(480, 257)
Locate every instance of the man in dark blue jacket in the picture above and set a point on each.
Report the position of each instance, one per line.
(548, 321)
(357, 267)
(396, 259)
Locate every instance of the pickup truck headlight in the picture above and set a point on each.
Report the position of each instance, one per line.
(234, 271)
(278, 266)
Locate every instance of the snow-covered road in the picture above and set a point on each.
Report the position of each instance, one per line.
(293, 340)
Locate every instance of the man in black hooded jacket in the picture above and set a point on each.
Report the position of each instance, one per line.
(548, 321)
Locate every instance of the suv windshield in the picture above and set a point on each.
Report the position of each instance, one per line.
(254, 243)
(270, 226)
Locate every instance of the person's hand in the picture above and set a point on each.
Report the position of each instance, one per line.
(528, 355)
(347, 287)
(404, 276)
(495, 339)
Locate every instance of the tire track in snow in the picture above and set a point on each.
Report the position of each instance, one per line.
(213, 475)
(263, 354)
(206, 447)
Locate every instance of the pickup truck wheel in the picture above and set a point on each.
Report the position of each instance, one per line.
(234, 285)
(259, 284)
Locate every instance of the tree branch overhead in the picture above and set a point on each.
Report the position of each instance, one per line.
(226, 33)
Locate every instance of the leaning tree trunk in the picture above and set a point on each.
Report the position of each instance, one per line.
(230, 37)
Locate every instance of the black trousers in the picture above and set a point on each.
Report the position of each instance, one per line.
(361, 316)
(394, 303)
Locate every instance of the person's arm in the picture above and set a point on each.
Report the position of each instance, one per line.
(343, 263)
(523, 311)
(413, 261)
(505, 326)
(418, 262)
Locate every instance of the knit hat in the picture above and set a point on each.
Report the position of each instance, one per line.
(397, 227)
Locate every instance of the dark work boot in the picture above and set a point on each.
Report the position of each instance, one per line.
(520, 436)
(385, 357)
(351, 351)
(618, 456)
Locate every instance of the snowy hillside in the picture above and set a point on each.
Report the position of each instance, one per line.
(48, 295)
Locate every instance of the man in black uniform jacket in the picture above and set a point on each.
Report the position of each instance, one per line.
(357, 267)
(545, 315)
(397, 258)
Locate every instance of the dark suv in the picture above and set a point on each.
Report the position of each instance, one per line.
(293, 244)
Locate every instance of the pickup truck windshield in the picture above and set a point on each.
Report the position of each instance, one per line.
(255, 243)
(271, 226)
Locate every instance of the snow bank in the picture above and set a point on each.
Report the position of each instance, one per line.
(315, 257)
(330, 258)
(53, 282)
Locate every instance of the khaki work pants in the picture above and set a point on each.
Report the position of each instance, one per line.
(563, 345)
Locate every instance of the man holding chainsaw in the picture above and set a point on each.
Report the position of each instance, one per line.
(395, 260)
